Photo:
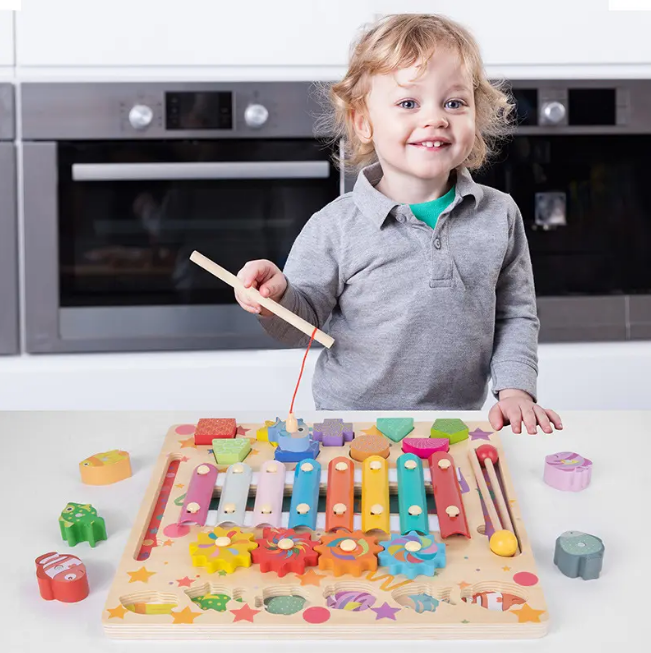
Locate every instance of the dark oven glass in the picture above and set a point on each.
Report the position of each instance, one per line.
(586, 205)
(127, 242)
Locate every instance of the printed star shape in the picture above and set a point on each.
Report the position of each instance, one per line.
(184, 459)
(253, 452)
(478, 434)
(245, 613)
(465, 621)
(118, 612)
(241, 430)
(463, 584)
(222, 572)
(372, 431)
(185, 582)
(385, 611)
(310, 577)
(168, 543)
(142, 575)
(180, 485)
(187, 443)
(186, 616)
(506, 568)
(525, 614)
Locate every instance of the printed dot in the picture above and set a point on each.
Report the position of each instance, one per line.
(316, 615)
(185, 429)
(148, 542)
(525, 578)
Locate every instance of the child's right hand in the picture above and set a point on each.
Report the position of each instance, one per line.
(267, 278)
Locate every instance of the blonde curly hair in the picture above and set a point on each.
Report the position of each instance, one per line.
(400, 41)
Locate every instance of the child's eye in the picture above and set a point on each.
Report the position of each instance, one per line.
(458, 104)
(410, 102)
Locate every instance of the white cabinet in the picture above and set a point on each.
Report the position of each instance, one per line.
(6, 38)
(549, 32)
(190, 33)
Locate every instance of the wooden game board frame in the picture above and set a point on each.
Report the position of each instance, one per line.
(471, 568)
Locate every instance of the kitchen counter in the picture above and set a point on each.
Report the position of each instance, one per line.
(39, 464)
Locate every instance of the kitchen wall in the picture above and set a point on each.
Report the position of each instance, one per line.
(293, 39)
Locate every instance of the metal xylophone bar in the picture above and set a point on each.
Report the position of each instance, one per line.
(339, 481)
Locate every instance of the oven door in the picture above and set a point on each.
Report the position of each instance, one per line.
(110, 226)
(9, 342)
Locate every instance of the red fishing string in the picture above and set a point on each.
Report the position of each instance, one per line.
(291, 410)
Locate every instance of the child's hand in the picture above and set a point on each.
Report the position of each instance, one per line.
(515, 407)
(267, 278)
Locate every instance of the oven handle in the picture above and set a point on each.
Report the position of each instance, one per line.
(201, 170)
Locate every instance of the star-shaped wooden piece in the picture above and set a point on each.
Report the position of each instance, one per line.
(141, 575)
(372, 431)
(117, 612)
(185, 582)
(526, 614)
(245, 613)
(310, 577)
(187, 443)
(185, 616)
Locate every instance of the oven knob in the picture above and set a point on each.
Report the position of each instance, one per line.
(255, 115)
(553, 112)
(140, 116)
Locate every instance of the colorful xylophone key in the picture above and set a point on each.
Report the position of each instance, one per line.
(375, 494)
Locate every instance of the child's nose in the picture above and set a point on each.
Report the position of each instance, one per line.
(437, 121)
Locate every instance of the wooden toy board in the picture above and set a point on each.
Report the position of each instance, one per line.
(151, 597)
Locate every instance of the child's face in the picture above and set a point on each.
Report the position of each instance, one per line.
(438, 108)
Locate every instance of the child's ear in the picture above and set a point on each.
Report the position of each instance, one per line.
(362, 126)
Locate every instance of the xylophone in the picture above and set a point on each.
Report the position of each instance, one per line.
(335, 529)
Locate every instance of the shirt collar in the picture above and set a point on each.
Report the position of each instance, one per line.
(376, 206)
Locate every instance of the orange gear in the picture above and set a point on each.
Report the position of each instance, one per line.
(348, 553)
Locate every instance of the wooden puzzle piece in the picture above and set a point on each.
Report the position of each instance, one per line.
(262, 434)
(412, 501)
(498, 601)
(579, 554)
(105, 468)
(61, 577)
(453, 430)
(227, 452)
(395, 428)
(285, 551)
(425, 447)
(567, 471)
(278, 430)
(197, 500)
(333, 432)
(209, 429)
(348, 553)
(222, 549)
(412, 554)
(81, 523)
(369, 445)
(351, 600)
(285, 456)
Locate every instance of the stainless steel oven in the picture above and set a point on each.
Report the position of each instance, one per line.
(122, 181)
(9, 319)
(579, 168)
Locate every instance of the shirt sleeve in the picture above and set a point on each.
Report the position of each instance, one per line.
(314, 280)
(514, 363)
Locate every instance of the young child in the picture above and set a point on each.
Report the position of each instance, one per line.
(425, 274)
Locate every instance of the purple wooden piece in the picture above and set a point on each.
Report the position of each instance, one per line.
(333, 432)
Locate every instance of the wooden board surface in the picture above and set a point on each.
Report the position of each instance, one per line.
(166, 580)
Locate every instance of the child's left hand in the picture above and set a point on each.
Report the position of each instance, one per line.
(516, 407)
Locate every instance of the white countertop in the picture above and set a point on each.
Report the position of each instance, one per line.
(39, 465)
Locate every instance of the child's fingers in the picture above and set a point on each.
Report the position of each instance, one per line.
(529, 419)
(271, 288)
(495, 417)
(543, 420)
(514, 415)
(555, 419)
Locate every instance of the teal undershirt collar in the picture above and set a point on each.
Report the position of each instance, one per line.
(429, 212)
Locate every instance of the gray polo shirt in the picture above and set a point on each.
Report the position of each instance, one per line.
(421, 317)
